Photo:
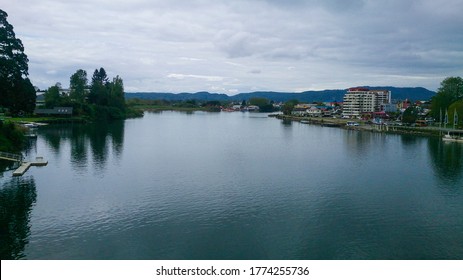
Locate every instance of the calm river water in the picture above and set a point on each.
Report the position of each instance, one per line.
(233, 186)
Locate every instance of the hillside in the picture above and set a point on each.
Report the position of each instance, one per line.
(398, 93)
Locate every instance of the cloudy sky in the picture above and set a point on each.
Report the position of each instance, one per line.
(242, 46)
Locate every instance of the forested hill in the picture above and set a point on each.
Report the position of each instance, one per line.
(398, 93)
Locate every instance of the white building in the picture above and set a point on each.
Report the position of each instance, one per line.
(359, 101)
(314, 112)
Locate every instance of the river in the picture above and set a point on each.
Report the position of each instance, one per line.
(175, 185)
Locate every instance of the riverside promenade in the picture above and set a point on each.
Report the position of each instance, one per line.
(386, 128)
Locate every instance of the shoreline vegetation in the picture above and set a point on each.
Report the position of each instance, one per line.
(137, 104)
(12, 137)
(154, 108)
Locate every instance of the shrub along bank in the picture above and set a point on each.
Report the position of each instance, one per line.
(11, 137)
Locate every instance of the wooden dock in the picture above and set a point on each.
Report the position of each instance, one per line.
(11, 156)
(39, 161)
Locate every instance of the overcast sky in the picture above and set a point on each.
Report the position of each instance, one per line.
(242, 46)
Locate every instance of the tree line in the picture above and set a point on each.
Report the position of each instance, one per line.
(101, 99)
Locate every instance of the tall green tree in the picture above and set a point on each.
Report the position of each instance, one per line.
(289, 106)
(23, 97)
(451, 90)
(264, 104)
(116, 93)
(53, 96)
(78, 85)
(99, 88)
(16, 91)
(457, 107)
(410, 115)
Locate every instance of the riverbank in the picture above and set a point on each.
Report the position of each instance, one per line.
(11, 137)
(364, 126)
(83, 118)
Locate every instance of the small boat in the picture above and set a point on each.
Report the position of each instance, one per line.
(31, 125)
(352, 124)
(453, 137)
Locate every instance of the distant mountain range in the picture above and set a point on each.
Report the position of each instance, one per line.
(398, 93)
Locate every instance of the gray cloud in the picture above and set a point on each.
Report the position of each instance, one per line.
(255, 71)
(219, 45)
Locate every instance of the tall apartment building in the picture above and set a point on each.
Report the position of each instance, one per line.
(360, 101)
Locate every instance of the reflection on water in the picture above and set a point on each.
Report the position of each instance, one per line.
(287, 123)
(6, 165)
(96, 139)
(17, 197)
(447, 159)
(409, 140)
(358, 144)
(234, 186)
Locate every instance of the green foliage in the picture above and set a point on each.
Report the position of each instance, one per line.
(264, 104)
(450, 91)
(135, 106)
(452, 86)
(102, 113)
(267, 108)
(258, 101)
(53, 96)
(106, 100)
(22, 97)
(16, 91)
(213, 104)
(458, 107)
(99, 92)
(78, 85)
(11, 137)
(410, 115)
(131, 112)
(13, 61)
(107, 113)
(116, 94)
(289, 106)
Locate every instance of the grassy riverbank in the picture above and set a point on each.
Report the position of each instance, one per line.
(47, 120)
(11, 137)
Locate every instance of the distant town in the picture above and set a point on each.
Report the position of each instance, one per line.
(358, 103)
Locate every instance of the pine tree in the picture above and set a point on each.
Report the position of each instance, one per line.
(116, 95)
(99, 88)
